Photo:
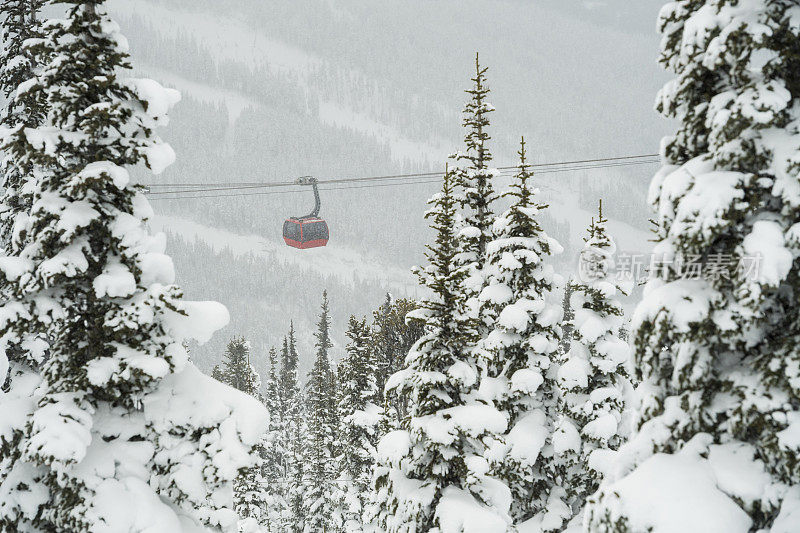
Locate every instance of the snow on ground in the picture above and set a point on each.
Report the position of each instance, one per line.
(235, 102)
(332, 260)
(226, 38)
(564, 207)
(402, 148)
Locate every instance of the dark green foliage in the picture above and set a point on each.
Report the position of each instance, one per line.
(322, 446)
(236, 369)
(475, 179)
(393, 335)
(19, 62)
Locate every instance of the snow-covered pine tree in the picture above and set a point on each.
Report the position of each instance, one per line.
(216, 373)
(477, 195)
(593, 377)
(249, 489)
(392, 338)
(236, 369)
(475, 178)
(122, 432)
(361, 415)
(292, 435)
(272, 467)
(273, 455)
(569, 316)
(385, 341)
(433, 473)
(24, 353)
(522, 350)
(19, 62)
(716, 447)
(320, 503)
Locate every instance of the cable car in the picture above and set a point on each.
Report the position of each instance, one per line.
(309, 231)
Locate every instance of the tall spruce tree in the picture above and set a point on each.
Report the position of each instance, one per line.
(19, 63)
(567, 325)
(593, 377)
(272, 458)
(292, 436)
(236, 369)
(361, 417)
(121, 432)
(475, 177)
(715, 337)
(476, 198)
(392, 338)
(20, 60)
(321, 470)
(522, 348)
(272, 467)
(433, 473)
(250, 488)
(23, 352)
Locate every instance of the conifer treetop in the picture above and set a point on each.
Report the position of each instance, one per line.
(476, 119)
(477, 192)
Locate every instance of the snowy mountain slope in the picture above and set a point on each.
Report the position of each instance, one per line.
(345, 88)
(332, 261)
(234, 101)
(230, 40)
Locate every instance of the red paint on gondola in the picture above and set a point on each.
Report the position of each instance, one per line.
(306, 245)
(305, 229)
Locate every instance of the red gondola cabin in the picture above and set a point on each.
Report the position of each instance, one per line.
(305, 232)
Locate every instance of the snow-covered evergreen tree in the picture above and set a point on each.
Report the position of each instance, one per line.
(292, 436)
(433, 473)
(716, 335)
(475, 177)
(361, 415)
(522, 350)
(392, 338)
(236, 369)
(121, 431)
(476, 198)
(250, 488)
(216, 373)
(320, 502)
(593, 377)
(272, 470)
(19, 62)
(567, 325)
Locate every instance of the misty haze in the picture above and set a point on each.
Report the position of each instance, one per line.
(342, 266)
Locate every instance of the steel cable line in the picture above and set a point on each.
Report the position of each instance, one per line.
(402, 176)
(398, 176)
(506, 171)
(191, 193)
